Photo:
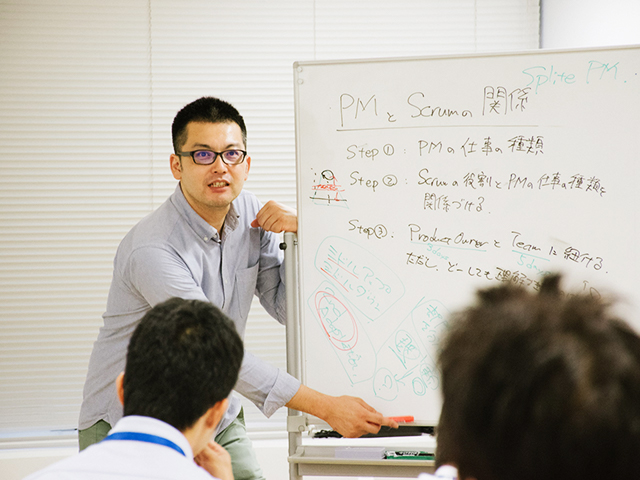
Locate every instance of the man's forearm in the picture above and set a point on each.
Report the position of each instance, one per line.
(349, 416)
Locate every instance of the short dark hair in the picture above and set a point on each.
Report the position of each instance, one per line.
(205, 110)
(183, 357)
(540, 386)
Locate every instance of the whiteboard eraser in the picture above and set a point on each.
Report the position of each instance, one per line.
(363, 453)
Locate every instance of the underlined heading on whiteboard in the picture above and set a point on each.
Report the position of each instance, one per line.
(433, 126)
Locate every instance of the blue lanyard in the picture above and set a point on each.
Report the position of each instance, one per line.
(144, 437)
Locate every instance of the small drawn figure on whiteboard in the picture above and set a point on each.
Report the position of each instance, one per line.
(328, 191)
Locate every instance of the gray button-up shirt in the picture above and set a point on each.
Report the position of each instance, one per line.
(173, 252)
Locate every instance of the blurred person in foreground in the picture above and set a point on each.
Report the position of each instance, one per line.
(539, 386)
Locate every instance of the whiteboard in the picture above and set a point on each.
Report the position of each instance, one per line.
(420, 180)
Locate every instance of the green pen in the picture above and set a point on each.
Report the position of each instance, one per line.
(408, 455)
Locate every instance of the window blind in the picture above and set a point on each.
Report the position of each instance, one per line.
(75, 156)
(88, 91)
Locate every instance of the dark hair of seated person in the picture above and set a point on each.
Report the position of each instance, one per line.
(538, 386)
(183, 357)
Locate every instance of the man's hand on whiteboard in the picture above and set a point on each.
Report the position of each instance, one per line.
(353, 417)
(349, 416)
(275, 217)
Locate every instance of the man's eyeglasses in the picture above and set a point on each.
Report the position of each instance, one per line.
(207, 157)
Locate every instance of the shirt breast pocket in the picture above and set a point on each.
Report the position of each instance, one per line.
(246, 279)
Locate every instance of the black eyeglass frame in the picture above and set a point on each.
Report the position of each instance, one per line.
(215, 156)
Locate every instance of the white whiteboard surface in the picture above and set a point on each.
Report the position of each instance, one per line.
(422, 179)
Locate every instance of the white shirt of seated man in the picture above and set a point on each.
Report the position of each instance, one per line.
(445, 472)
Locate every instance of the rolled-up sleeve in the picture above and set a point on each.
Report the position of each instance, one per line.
(268, 387)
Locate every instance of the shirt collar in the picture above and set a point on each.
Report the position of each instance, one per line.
(153, 426)
(199, 225)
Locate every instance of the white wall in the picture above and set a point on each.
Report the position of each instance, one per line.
(589, 23)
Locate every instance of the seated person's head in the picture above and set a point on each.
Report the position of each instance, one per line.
(183, 359)
(540, 386)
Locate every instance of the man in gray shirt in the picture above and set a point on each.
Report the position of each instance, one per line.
(214, 242)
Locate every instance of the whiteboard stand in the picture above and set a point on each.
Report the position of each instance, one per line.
(321, 460)
(296, 422)
(310, 460)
